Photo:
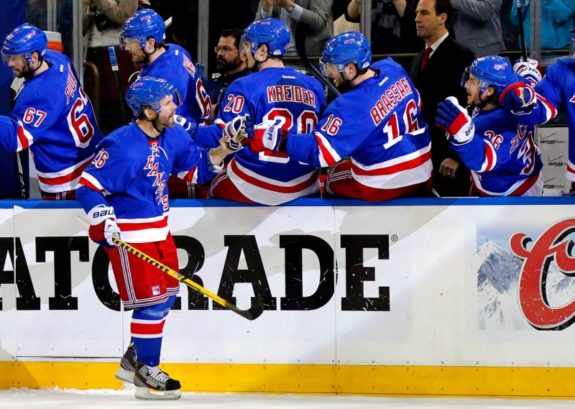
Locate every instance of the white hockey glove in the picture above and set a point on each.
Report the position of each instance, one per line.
(519, 98)
(267, 135)
(103, 225)
(529, 70)
(235, 132)
(189, 126)
(454, 119)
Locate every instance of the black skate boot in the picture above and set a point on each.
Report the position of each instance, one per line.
(153, 383)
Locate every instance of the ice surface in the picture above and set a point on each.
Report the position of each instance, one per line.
(98, 399)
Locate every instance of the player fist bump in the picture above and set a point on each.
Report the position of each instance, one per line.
(267, 135)
(235, 132)
(454, 119)
(519, 98)
(103, 225)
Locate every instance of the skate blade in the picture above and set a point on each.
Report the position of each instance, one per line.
(125, 375)
(152, 394)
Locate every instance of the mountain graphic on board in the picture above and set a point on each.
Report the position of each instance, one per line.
(498, 277)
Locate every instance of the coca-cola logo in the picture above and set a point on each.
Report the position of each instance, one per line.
(552, 246)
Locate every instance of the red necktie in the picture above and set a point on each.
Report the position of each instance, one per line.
(425, 58)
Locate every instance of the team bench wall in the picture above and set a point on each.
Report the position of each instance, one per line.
(406, 297)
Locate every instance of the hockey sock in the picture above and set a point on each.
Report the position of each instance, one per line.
(147, 328)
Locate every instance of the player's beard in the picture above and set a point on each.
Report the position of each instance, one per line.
(25, 72)
(139, 60)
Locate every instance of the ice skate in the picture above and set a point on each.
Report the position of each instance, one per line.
(153, 383)
(127, 365)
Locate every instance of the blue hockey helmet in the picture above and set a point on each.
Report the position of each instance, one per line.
(492, 70)
(148, 92)
(270, 31)
(345, 48)
(24, 40)
(143, 24)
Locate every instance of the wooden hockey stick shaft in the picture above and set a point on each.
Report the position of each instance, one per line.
(250, 314)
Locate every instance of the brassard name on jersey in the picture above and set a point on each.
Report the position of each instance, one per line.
(389, 99)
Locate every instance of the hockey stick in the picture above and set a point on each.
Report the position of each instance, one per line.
(116, 71)
(521, 17)
(300, 34)
(254, 312)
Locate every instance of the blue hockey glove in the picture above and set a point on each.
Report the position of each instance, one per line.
(454, 119)
(519, 98)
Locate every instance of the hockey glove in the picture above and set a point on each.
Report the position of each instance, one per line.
(235, 132)
(267, 135)
(454, 119)
(529, 70)
(103, 225)
(519, 98)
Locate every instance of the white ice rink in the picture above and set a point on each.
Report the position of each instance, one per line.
(99, 399)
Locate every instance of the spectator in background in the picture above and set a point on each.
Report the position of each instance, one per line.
(436, 73)
(231, 64)
(102, 20)
(392, 29)
(476, 23)
(101, 26)
(315, 15)
(556, 23)
(52, 116)
(509, 31)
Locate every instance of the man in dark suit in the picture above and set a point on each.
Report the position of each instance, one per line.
(436, 72)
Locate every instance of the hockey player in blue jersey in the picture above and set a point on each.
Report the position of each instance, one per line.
(52, 115)
(143, 37)
(277, 93)
(124, 193)
(373, 136)
(501, 152)
(556, 91)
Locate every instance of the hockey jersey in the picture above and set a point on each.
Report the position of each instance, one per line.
(54, 118)
(379, 126)
(130, 173)
(502, 155)
(558, 87)
(295, 98)
(175, 65)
